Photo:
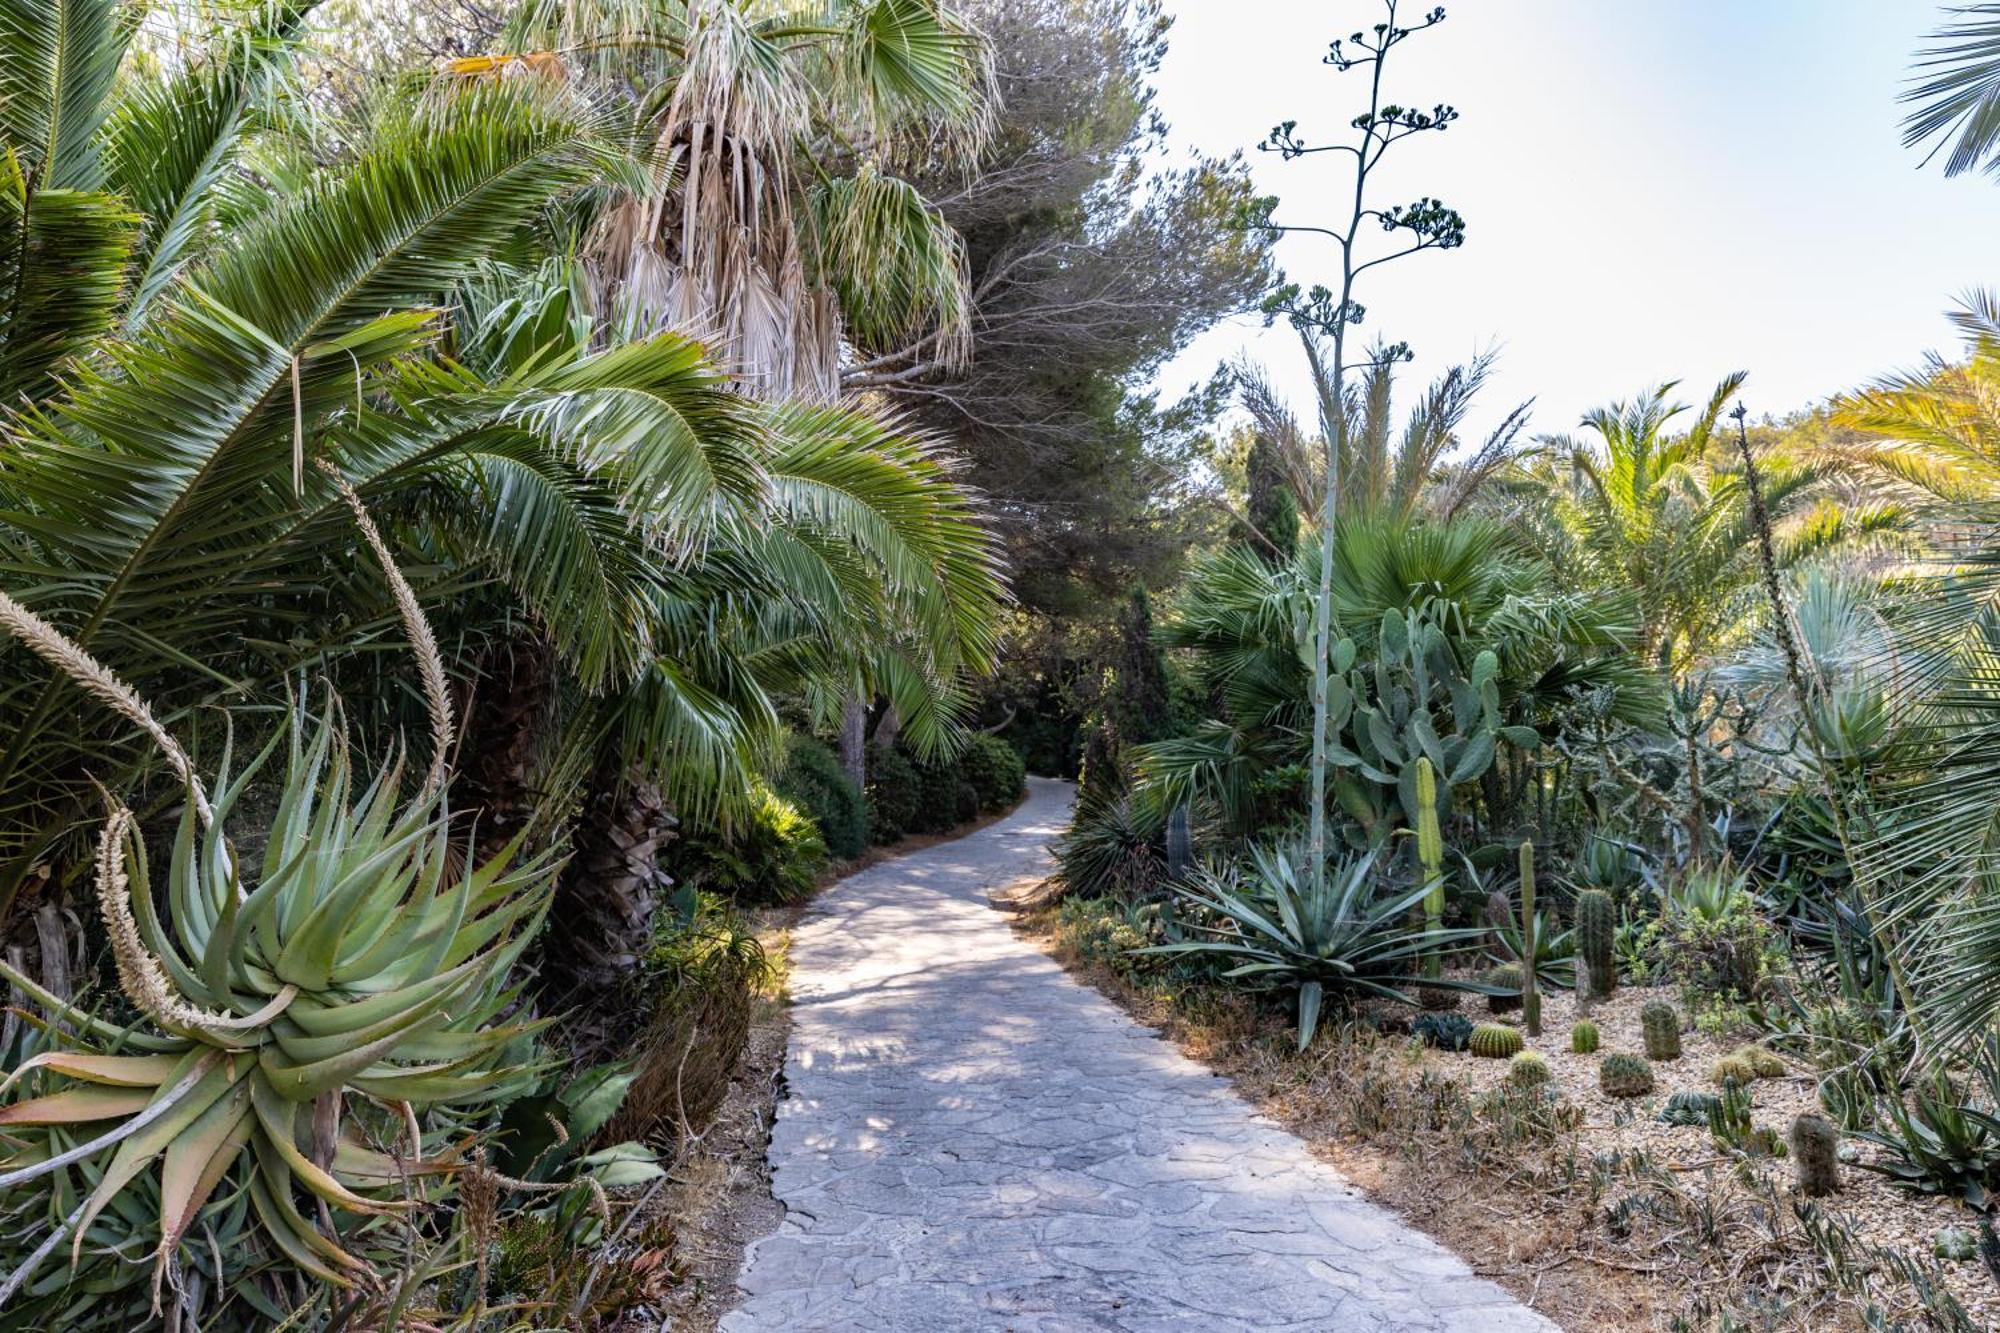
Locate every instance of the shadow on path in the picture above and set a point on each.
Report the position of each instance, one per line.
(972, 1141)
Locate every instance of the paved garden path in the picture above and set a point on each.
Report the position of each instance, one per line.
(974, 1141)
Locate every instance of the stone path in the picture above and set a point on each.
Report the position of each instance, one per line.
(974, 1141)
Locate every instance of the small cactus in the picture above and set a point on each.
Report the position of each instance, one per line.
(1531, 997)
(1955, 1244)
(1662, 1028)
(1507, 977)
(1624, 1075)
(1687, 1109)
(1583, 1037)
(1729, 1116)
(1734, 1069)
(1495, 1041)
(1527, 1070)
(1596, 924)
(1763, 1063)
(1815, 1155)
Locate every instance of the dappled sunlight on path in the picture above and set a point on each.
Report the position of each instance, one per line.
(972, 1140)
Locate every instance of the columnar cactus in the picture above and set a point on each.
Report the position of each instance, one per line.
(1815, 1155)
(1495, 1041)
(1624, 1075)
(1662, 1028)
(1531, 997)
(1430, 857)
(1595, 927)
(1583, 1037)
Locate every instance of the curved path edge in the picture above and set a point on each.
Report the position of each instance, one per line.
(972, 1140)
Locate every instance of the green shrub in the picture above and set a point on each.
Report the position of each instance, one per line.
(774, 854)
(813, 780)
(995, 770)
(936, 808)
(893, 793)
(695, 986)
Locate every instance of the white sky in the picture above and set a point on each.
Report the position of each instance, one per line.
(1653, 189)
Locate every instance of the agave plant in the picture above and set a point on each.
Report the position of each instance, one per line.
(1344, 934)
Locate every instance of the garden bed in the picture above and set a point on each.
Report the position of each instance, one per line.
(1584, 1205)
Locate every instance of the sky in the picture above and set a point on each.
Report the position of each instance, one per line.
(1653, 190)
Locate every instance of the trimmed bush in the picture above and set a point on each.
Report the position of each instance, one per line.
(894, 791)
(813, 780)
(772, 855)
(995, 770)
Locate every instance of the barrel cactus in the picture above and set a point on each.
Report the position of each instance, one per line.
(1583, 1037)
(1528, 1069)
(1624, 1075)
(1596, 927)
(1660, 1023)
(1495, 1041)
(1506, 981)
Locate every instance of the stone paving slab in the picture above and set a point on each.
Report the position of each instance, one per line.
(973, 1141)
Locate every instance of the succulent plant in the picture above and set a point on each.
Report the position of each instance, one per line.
(1495, 1041)
(1661, 1025)
(1955, 1244)
(1763, 1064)
(1729, 1116)
(1528, 1069)
(1815, 1155)
(364, 967)
(1687, 1109)
(1621, 1074)
(1430, 858)
(1531, 997)
(1447, 1032)
(1583, 1037)
(1506, 978)
(1596, 932)
(1734, 1069)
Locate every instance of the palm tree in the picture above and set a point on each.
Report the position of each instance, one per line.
(770, 221)
(1938, 429)
(682, 548)
(1654, 512)
(1385, 471)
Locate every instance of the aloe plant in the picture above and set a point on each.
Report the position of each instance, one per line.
(366, 962)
